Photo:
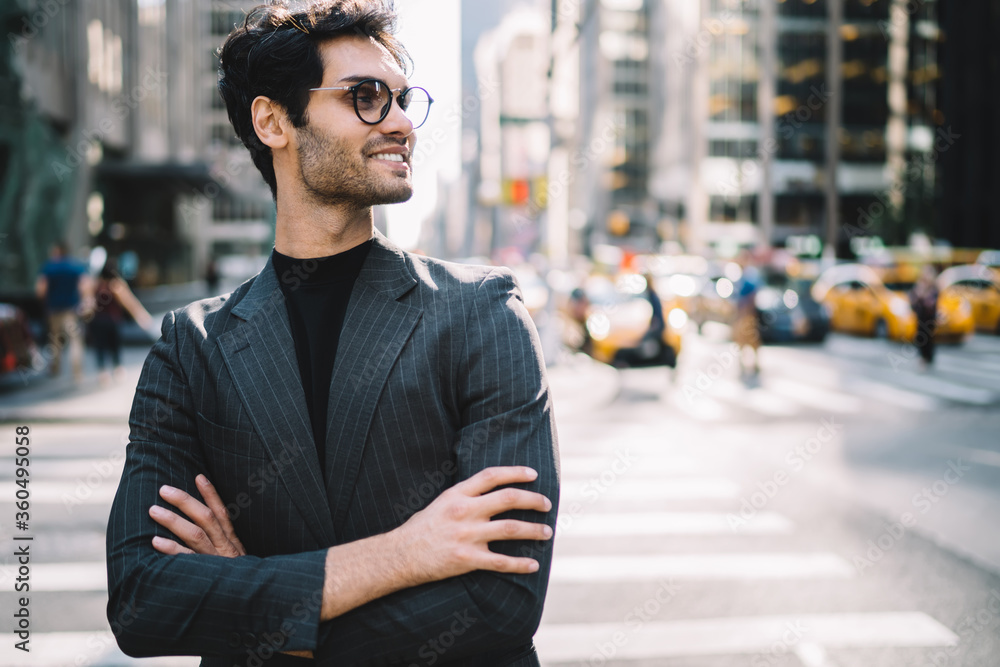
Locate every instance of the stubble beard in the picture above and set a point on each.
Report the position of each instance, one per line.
(335, 173)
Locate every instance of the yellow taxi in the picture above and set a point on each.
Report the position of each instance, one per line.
(860, 303)
(618, 317)
(955, 320)
(990, 259)
(980, 287)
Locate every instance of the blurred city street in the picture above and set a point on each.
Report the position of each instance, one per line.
(759, 241)
(839, 510)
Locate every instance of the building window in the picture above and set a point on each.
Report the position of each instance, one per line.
(732, 148)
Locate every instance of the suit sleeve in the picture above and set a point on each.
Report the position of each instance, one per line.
(506, 419)
(192, 604)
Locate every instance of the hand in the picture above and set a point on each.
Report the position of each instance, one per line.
(450, 536)
(211, 533)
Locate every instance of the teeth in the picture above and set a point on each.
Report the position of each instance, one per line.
(392, 157)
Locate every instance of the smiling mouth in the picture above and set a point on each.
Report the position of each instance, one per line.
(391, 157)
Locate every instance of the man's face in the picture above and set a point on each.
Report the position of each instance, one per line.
(343, 160)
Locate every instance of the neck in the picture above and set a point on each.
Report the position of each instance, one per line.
(306, 229)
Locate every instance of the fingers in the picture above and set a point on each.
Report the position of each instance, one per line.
(214, 501)
(502, 500)
(490, 478)
(510, 529)
(499, 563)
(205, 535)
(193, 536)
(169, 547)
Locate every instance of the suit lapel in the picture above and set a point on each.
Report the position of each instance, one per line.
(260, 356)
(376, 328)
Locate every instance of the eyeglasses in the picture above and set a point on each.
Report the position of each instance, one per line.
(373, 99)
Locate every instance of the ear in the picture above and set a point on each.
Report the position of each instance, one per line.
(269, 122)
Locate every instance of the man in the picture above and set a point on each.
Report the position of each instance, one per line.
(60, 284)
(356, 408)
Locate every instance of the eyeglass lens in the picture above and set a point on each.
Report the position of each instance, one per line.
(373, 99)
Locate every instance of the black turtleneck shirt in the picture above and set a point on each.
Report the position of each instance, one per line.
(317, 292)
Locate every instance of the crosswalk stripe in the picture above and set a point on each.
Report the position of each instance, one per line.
(725, 566)
(673, 523)
(980, 365)
(700, 408)
(894, 395)
(936, 386)
(47, 577)
(757, 399)
(984, 457)
(863, 374)
(71, 492)
(813, 396)
(589, 466)
(58, 649)
(645, 489)
(94, 468)
(766, 635)
(812, 655)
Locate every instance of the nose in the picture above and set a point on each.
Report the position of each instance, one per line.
(396, 121)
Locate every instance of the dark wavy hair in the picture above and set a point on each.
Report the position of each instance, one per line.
(275, 53)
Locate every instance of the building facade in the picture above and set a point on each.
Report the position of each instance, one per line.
(782, 121)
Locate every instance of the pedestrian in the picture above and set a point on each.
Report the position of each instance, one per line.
(60, 286)
(746, 329)
(578, 335)
(339, 427)
(112, 298)
(924, 300)
(212, 276)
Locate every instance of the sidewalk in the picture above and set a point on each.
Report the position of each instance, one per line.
(46, 399)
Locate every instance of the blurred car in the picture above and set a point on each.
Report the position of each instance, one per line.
(978, 285)
(702, 288)
(17, 346)
(990, 258)
(618, 319)
(954, 313)
(788, 312)
(860, 303)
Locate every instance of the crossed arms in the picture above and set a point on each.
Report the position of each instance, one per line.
(182, 600)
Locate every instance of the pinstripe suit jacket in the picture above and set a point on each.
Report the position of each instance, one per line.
(438, 375)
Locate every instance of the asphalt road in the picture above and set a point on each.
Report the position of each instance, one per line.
(837, 511)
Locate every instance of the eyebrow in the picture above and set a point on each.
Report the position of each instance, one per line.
(358, 78)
